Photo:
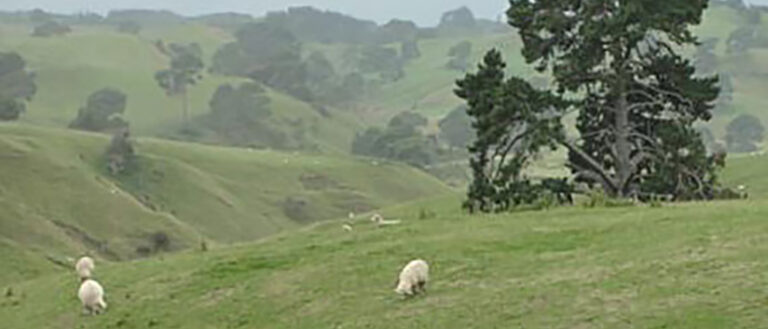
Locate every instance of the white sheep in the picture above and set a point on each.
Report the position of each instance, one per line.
(91, 294)
(347, 227)
(84, 267)
(380, 221)
(413, 278)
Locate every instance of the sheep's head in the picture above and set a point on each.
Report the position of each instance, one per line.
(403, 288)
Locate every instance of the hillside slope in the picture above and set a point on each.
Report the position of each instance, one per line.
(56, 199)
(684, 266)
(69, 68)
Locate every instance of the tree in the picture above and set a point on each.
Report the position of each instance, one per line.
(743, 133)
(741, 40)
(458, 19)
(459, 56)
(402, 140)
(409, 50)
(240, 116)
(382, 60)
(121, 154)
(102, 112)
(456, 128)
(267, 53)
(17, 86)
(51, 29)
(185, 70)
(398, 31)
(616, 64)
(321, 76)
(128, 27)
(512, 122)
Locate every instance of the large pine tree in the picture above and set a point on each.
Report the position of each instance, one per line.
(618, 64)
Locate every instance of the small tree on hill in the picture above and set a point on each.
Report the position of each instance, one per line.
(51, 29)
(185, 70)
(458, 19)
(382, 60)
(121, 155)
(102, 112)
(128, 27)
(409, 50)
(459, 56)
(743, 133)
(16, 86)
(402, 140)
(456, 128)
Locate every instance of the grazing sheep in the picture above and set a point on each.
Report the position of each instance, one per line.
(347, 227)
(413, 278)
(84, 267)
(351, 215)
(380, 221)
(91, 294)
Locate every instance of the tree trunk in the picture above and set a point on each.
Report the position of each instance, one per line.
(185, 107)
(623, 145)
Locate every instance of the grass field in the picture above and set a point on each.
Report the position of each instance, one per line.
(57, 199)
(682, 266)
(277, 255)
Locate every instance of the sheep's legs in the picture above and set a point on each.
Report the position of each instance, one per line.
(87, 310)
(422, 286)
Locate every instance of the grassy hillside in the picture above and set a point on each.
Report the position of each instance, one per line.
(57, 201)
(684, 266)
(70, 68)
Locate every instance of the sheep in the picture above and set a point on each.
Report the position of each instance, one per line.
(380, 221)
(347, 227)
(84, 267)
(413, 278)
(91, 294)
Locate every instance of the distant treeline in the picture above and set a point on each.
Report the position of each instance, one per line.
(309, 24)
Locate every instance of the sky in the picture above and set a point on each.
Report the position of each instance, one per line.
(423, 12)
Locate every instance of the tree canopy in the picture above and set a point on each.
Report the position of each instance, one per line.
(402, 140)
(185, 69)
(743, 133)
(456, 128)
(459, 56)
(102, 112)
(615, 63)
(17, 86)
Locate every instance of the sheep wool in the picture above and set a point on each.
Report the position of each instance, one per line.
(91, 294)
(413, 278)
(84, 267)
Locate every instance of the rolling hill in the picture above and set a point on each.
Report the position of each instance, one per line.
(57, 199)
(68, 69)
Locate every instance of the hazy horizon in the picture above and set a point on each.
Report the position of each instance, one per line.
(426, 13)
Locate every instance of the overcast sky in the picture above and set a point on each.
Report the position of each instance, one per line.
(424, 12)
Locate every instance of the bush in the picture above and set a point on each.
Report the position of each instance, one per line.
(743, 133)
(121, 155)
(160, 241)
(10, 109)
(51, 29)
